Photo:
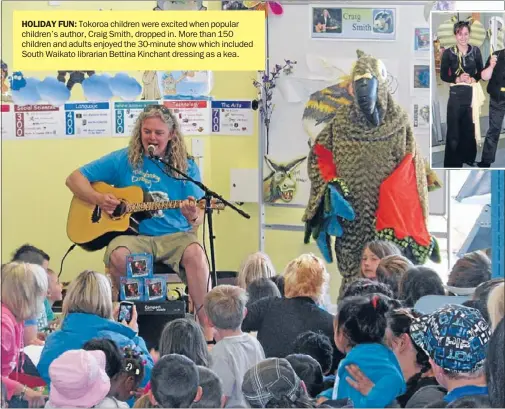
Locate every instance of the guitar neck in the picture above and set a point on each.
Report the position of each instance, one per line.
(150, 206)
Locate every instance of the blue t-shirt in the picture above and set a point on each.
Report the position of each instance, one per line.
(115, 169)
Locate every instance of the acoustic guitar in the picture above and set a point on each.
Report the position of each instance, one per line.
(92, 229)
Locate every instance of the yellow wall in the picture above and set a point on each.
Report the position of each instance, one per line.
(35, 200)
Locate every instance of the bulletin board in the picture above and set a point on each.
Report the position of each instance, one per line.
(321, 61)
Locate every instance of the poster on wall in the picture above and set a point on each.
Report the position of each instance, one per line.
(232, 117)
(420, 115)
(87, 119)
(185, 85)
(7, 122)
(420, 77)
(193, 116)
(421, 40)
(357, 23)
(38, 121)
(125, 115)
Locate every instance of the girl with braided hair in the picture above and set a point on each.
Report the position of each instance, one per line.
(422, 387)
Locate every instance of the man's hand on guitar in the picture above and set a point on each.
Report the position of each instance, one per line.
(190, 210)
(107, 202)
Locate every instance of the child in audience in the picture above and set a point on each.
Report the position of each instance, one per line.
(279, 282)
(496, 305)
(54, 294)
(255, 266)
(318, 346)
(372, 254)
(261, 288)
(360, 328)
(78, 380)
(212, 390)
(125, 371)
(309, 371)
(235, 351)
(391, 270)
(364, 286)
(175, 382)
(417, 282)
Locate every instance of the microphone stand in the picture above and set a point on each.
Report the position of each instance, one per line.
(209, 194)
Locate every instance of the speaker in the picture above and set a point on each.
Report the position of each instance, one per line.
(153, 316)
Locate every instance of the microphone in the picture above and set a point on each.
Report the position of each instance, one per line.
(151, 149)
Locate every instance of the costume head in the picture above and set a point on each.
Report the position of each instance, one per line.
(369, 79)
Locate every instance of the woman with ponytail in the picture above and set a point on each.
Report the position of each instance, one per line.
(422, 387)
(360, 329)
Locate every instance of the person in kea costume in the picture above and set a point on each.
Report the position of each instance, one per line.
(368, 178)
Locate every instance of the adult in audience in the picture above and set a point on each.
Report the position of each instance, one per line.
(184, 336)
(175, 382)
(212, 390)
(496, 305)
(24, 286)
(273, 383)
(456, 338)
(255, 266)
(468, 272)
(422, 386)
(88, 313)
(418, 282)
(280, 320)
(495, 367)
(31, 254)
(261, 288)
(372, 254)
(391, 270)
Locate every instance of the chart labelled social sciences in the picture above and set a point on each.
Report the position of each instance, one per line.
(193, 116)
(38, 121)
(232, 117)
(87, 119)
(7, 122)
(126, 114)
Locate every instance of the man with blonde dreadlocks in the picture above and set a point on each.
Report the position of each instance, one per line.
(368, 179)
(168, 235)
(461, 67)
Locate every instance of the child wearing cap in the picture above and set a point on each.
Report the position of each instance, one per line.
(78, 380)
(360, 328)
(235, 352)
(274, 383)
(456, 339)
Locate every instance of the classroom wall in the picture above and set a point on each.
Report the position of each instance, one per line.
(35, 199)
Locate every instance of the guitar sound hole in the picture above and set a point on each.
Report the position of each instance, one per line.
(119, 210)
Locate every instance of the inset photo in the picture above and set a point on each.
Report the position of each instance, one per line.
(467, 89)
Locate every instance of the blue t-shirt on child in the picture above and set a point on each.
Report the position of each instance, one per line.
(115, 169)
(381, 366)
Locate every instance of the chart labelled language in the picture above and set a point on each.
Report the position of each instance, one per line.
(38, 121)
(232, 117)
(87, 119)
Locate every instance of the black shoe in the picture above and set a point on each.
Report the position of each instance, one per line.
(483, 165)
(471, 164)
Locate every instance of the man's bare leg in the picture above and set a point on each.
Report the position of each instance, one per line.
(117, 269)
(197, 273)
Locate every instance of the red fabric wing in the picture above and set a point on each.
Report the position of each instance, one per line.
(327, 167)
(400, 206)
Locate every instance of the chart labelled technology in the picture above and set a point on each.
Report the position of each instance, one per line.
(126, 114)
(7, 122)
(38, 121)
(193, 116)
(87, 119)
(232, 117)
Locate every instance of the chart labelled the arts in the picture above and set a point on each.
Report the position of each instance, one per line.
(193, 116)
(232, 117)
(38, 121)
(125, 115)
(7, 122)
(87, 119)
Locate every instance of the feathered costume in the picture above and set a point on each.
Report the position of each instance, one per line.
(368, 179)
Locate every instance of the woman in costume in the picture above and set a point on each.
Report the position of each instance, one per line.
(461, 67)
